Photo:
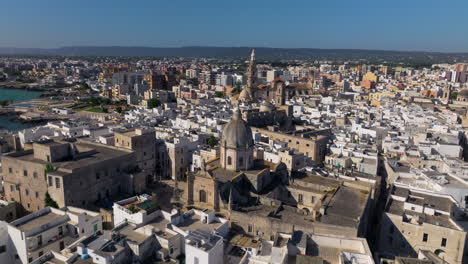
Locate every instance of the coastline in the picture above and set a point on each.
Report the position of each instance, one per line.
(27, 87)
(10, 119)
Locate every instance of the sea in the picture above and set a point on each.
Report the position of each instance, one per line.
(15, 95)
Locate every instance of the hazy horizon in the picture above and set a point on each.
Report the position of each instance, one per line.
(368, 25)
(242, 46)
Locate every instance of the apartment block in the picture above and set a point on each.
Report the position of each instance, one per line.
(51, 229)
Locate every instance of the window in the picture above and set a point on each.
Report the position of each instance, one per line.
(48, 158)
(300, 198)
(10, 170)
(60, 230)
(425, 237)
(12, 188)
(171, 250)
(443, 243)
(313, 199)
(57, 182)
(41, 253)
(241, 161)
(35, 175)
(202, 196)
(26, 191)
(51, 183)
(250, 229)
(229, 161)
(25, 173)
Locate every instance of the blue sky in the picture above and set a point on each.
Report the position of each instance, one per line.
(397, 25)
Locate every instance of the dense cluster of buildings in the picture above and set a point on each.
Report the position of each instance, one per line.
(210, 164)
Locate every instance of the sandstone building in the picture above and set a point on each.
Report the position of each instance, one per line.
(73, 173)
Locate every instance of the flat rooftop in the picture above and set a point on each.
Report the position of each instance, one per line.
(434, 202)
(92, 154)
(194, 222)
(131, 234)
(345, 207)
(202, 239)
(37, 221)
(397, 208)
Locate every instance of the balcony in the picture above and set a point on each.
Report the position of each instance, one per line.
(53, 243)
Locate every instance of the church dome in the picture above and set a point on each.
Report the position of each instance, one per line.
(266, 107)
(244, 96)
(237, 133)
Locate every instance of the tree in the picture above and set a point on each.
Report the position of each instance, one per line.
(119, 109)
(84, 86)
(219, 94)
(49, 202)
(49, 168)
(212, 141)
(4, 102)
(153, 103)
(237, 88)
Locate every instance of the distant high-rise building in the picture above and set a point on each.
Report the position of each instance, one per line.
(370, 76)
(272, 74)
(461, 67)
(131, 78)
(207, 77)
(192, 73)
(224, 79)
(160, 81)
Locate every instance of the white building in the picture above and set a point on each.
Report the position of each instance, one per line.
(203, 247)
(51, 229)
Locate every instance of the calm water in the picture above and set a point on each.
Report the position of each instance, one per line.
(7, 122)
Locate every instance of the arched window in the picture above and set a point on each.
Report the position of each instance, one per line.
(229, 160)
(202, 196)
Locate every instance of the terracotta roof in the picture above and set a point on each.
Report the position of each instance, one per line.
(277, 80)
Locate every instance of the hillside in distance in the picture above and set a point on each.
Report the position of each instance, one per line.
(262, 52)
